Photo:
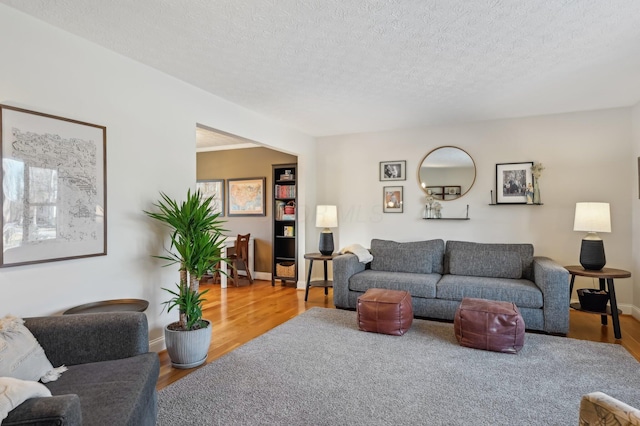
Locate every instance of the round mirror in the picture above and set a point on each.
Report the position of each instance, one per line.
(446, 173)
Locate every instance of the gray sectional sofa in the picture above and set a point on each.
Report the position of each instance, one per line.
(439, 276)
(111, 377)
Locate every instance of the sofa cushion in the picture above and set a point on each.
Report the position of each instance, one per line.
(401, 260)
(115, 392)
(524, 293)
(418, 285)
(524, 250)
(485, 263)
(408, 257)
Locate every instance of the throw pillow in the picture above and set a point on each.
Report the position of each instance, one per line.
(486, 263)
(401, 260)
(364, 256)
(14, 392)
(21, 356)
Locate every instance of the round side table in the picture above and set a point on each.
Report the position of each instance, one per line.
(326, 283)
(604, 274)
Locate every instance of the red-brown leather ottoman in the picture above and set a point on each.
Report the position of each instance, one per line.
(489, 325)
(385, 311)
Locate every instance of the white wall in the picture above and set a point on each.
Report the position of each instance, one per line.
(586, 156)
(150, 119)
(635, 197)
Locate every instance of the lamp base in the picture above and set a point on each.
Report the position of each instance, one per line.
(592, 255)
(326, 243)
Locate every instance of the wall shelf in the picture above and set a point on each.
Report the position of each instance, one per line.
(516, 204)
(446, 218)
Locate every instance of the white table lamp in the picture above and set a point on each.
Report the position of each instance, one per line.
(593, 218)
(326, 217)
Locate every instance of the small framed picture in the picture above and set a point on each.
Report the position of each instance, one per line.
(452, 190)
(392, 199)
(213, 188)
(393, 170)
(513, 182)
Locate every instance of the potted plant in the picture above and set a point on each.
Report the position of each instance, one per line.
(196, 246)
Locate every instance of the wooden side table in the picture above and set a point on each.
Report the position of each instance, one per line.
(326, 283)
(607, 274)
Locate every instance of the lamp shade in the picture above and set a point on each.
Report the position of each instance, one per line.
(592, 217)
(326, 216)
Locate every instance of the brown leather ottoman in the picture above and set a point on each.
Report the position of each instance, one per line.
(489, 325)
(385, 311)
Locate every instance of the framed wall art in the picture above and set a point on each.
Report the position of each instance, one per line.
(246, 197)
(213, 188)
(393, 170)
(392, 199)
(513, 180)
(54, 188)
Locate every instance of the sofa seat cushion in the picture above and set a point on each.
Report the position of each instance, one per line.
(524, 293)
(116, 392)
(418, 285)
(413, 257)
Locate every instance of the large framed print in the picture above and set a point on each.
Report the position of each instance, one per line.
(213, 188)
(513, 180)
(246, 197)
(54, 188)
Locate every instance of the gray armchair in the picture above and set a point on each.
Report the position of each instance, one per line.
(111, 375)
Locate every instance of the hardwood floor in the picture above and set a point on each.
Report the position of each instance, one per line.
(240, 314)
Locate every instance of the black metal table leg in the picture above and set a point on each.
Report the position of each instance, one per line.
(614, 309)
(306, 292)
(603, 318)
(326, 278)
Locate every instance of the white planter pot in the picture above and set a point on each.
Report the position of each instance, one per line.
(188, 349)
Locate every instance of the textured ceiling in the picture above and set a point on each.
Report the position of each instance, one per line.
(343, 66)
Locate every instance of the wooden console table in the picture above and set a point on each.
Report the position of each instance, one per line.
(607, 274)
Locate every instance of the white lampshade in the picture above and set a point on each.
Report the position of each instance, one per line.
(592, 217)
(326, 216)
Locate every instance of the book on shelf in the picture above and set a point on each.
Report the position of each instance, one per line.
(280, 210)
(285, 191)
(288, 231)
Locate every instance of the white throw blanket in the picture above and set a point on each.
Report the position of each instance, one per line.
(364, 256)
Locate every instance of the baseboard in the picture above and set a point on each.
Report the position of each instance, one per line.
(157, 345)
(262, 276)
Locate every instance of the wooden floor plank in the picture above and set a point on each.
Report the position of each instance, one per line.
(240, 314)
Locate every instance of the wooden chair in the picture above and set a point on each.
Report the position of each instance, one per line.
(240, 259)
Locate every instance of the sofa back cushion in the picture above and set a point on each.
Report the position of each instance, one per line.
(420, 257)
(525, 251)
(485, 263)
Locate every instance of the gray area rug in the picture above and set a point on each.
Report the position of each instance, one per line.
(319, 369)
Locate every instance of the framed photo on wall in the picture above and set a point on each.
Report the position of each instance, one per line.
(393, 170)
(54, 188)
(213, 188)
(246, 197)
(513, 181)
(392, 199)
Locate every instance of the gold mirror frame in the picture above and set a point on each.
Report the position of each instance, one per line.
(453, 183)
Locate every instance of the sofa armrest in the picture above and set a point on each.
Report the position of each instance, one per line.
(83, 338)
(344, 266)
(553, 281)
(55, 410)
(598, 408)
